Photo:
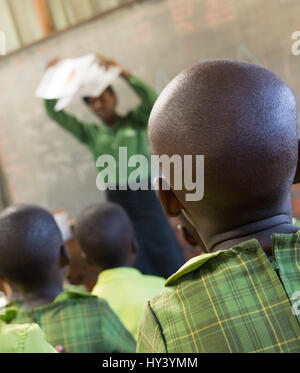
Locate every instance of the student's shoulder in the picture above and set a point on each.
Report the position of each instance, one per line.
(249, 248)
(74, 291)
(12, 337)
(191, 272)
(178, 280)
(158, 308)
(154, 280)
(80, 294)
(26, 338)
(83, 302)
(191, 266)
(73, 295)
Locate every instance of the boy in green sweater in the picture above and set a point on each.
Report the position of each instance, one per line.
(106, 236)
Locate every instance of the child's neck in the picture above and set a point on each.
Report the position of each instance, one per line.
(260, 230)
(41, 296)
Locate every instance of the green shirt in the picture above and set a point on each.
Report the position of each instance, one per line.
(229, 301)
(80, 322)
(26, 338)
(126, 290)
(128, 131)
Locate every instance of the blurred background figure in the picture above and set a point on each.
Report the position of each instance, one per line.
(107, 237)
(105, 137)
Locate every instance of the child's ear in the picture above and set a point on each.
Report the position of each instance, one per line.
(297, 175)
(170, 204)
(64, 257)
(189, 237)
(134, 251)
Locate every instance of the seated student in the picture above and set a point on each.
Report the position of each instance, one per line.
(25, 338)
(234, 298)
(34, 259)
(106, 236)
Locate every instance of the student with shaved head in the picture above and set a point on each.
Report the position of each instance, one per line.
(107, 237)
(240, 295)
(34, 260)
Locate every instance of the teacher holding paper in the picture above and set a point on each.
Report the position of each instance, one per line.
(159, 252)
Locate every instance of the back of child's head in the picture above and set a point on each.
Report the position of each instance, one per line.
(106, 235)
(30, 244)
(243, 119)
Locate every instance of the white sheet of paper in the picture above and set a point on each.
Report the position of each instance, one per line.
(75, 77)
(65, 78)
(97, 79)
(63, 102)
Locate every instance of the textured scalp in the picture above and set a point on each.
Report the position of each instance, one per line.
(30, 243)
(105, 233)
(243, 119)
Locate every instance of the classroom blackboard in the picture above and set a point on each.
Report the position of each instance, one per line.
(154, 39)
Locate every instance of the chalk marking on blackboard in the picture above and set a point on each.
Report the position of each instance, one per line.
(83, 171)
(9, 187)
(2, 43)
(23, 179)
(287, 69)
(141, 29)
(218, 12)
(244, 54)
(289, 76)
(182, 14)
(162, 80)
(17, 167)
(10, 157)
